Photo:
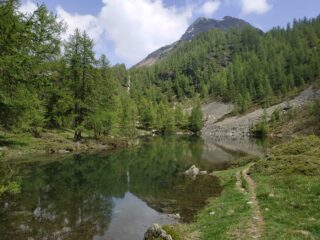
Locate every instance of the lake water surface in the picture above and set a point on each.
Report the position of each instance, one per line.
(114, 196)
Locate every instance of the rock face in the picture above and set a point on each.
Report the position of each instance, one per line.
(199, 26)
(155, 231)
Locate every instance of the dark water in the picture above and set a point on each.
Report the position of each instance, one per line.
(109, 196)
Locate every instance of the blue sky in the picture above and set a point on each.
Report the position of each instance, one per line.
(127, 30)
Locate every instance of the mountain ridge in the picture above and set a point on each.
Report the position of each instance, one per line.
(199, 26)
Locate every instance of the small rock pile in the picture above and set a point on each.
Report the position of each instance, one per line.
(155, 231)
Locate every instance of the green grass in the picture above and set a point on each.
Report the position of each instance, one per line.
(231, 211)
(288, 190)
(299, 145)
(15, 141)
(293, 206)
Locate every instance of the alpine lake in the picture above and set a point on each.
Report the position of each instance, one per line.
(115, 195)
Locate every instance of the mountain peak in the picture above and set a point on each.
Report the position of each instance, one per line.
(203, 24)
(228, 18)
(201, 19)
(200, 25)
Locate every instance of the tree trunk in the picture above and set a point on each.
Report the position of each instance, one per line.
(77, 135)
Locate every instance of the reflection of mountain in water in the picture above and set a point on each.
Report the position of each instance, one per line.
(217, 155)
(234, 144)
(81, 196)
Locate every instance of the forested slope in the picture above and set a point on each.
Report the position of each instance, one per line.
(43, 87)
(240, 66)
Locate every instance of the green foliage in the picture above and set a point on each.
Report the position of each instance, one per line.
(28, 45)
(9, 180)
(196, 119)
(11, 187)
(181, 118)
(128, 116)
(80, 58)
(261, 129)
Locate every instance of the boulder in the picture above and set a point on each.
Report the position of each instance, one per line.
(155, 231)
(192, 171)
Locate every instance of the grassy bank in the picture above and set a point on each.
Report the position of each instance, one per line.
(55, 141)
(287, 191)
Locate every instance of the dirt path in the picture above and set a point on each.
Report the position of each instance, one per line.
(240, 125)
(239, 182)
(256, 223)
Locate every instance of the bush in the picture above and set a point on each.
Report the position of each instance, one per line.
(316, 109)
(261, 129)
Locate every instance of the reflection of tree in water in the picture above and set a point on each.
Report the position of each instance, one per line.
(59, 200)
(72, 199)
(9, 178)
(157, 176)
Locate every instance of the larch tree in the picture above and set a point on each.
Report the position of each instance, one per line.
(80, 57)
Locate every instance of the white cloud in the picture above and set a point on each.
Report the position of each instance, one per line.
(209, 8)
(135, 27)
(87, 23)
(28, 7)
(255, 6)
(138, 27)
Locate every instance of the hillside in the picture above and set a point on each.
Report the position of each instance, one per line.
(244, 67)
(64, 86)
